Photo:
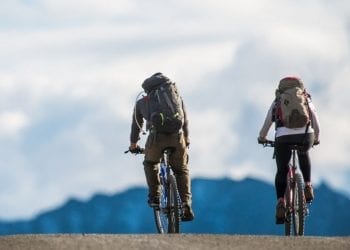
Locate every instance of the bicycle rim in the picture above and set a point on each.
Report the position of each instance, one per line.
(161, 213)
(288, 198)
(301, 208)
(295, 214)
(158, 219)
(173, 207)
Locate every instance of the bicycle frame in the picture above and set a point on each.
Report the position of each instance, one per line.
(296, 208)
(295, 199)
(291, 179)
(168, 214)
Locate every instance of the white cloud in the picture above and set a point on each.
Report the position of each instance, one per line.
(88, 8)
(331, 155)
(213, 142)
(65, 12)
(248, 168)
(12, 123)
(74, 68)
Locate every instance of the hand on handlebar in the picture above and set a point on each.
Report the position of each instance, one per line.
(135, 150)
(266, 142)
(262, 140)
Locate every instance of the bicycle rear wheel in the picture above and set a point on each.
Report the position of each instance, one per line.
(173, 206)
(161, 212)
(300, 206)
(158, 219)
(167, 215)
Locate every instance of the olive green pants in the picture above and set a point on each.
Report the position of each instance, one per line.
(178, 160)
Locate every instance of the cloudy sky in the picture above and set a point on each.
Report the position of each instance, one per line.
(70, 71)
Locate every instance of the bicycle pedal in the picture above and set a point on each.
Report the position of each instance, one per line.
(307, 212)
(280, 221)
(307, 209)
(187, 218)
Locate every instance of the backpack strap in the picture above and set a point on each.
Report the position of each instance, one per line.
(276, 116)
(307, 97)
(135, 111)
(167, 99)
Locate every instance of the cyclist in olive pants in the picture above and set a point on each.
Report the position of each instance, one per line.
(155, 144)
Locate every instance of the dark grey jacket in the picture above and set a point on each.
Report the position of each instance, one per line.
(141, 113)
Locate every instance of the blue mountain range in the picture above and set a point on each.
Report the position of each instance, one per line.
(221, 206)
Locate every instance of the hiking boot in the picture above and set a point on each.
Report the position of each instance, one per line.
(153, 201)
(280, 211)
(188, 214)
(309, 193)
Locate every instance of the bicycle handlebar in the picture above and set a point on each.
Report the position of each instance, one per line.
(267, 143)
(136, 151)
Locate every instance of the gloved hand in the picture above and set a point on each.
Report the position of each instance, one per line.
(134, 148)
(187, 141)
(261, 140)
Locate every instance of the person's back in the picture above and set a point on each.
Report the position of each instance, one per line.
(298, 126)
(166, 121)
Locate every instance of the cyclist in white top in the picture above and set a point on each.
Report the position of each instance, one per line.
(306, 137)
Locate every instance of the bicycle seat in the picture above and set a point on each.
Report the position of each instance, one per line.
(169, 150)
(297, 147)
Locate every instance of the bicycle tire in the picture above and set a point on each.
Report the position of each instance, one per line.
(161, 213)
(158, 220)
(301, 205)
(173, 206)
(295, 207)
(288, 196)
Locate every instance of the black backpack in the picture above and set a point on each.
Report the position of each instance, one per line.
(165, 104)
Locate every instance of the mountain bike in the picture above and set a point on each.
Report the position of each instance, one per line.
(169, 212)
(296, 206)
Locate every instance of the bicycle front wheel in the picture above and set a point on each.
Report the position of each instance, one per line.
(288, 196)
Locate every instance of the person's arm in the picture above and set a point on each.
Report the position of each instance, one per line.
(185, 125)
(136, 125)
(315, 122)
(267, 124)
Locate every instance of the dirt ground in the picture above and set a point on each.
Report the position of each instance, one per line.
(180, 241)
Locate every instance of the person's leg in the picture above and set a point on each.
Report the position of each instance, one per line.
(304, 158)
(305, 165)
(283, 154)
(151, 167)
(179, 163)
